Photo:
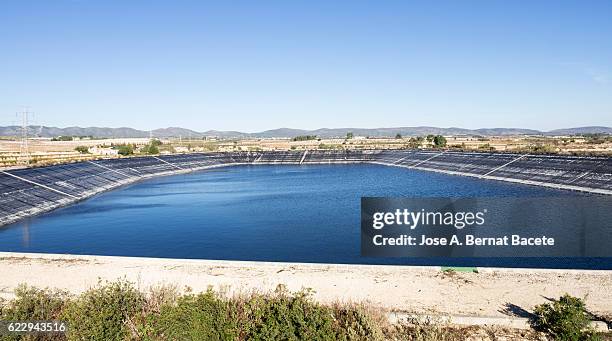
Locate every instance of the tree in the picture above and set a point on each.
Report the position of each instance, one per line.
(398, 136)
(150, 149)
(62, 138)
(430, 138)
(564, 319)
(485, 146)
(349, 135)
(439, 141)
(304, 138)
(415, 142)
(82, 149)
(125, 149)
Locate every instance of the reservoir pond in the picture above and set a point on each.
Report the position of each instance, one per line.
(284, 213)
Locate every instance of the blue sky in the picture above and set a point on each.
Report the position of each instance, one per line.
(256, 65)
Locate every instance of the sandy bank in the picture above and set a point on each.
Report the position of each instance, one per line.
(406, 288)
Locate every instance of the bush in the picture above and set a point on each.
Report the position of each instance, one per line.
(486, 146)
(415, 142)
(439, 141)
(541, 148)
(279, 316)
(117, 311)
(125, 149)
(286, 316)
(564, 319)
(62, 138)
(82, 149)
(101, 312)
(194, 317)
(356, 323)
(150, 149)
(304, 138)
(427, 329)
(33, 304)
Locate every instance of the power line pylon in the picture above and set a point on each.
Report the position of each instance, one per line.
(24, 152)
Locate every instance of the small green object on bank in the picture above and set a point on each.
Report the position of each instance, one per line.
(460, 269)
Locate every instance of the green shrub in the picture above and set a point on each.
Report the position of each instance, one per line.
(194, 317)
(82, 149)
(101, 312)
(439, 141)
(280, 316)
(150, 149)
(329, 146)
(117, 311)
(62, 138)
(427, 329)
(356, 323)
(486, 146)
(415, 142)
(541, 148)
(33, 304)
(304, 138)
(285, 316)
(564, 319)
(125, 149)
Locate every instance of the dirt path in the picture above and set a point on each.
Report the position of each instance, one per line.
(490, 292)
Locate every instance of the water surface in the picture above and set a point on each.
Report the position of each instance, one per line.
(266, 213)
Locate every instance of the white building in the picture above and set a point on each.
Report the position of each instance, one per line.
(103, 151)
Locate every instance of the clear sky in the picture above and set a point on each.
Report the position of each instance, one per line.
(256, 65)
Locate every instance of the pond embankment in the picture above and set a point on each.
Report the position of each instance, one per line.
(489, 292)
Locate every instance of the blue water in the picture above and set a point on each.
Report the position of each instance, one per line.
(266, 213)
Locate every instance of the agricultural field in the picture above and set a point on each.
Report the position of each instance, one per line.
(44, 151)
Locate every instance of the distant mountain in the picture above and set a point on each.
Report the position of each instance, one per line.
(283, 132)
(390, 132)
(175, 132)
(93, 131)
(581, 130)
(43, 131)
(507, 131)
(226, 134)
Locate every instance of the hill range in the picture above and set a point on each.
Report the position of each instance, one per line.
(122, 132)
